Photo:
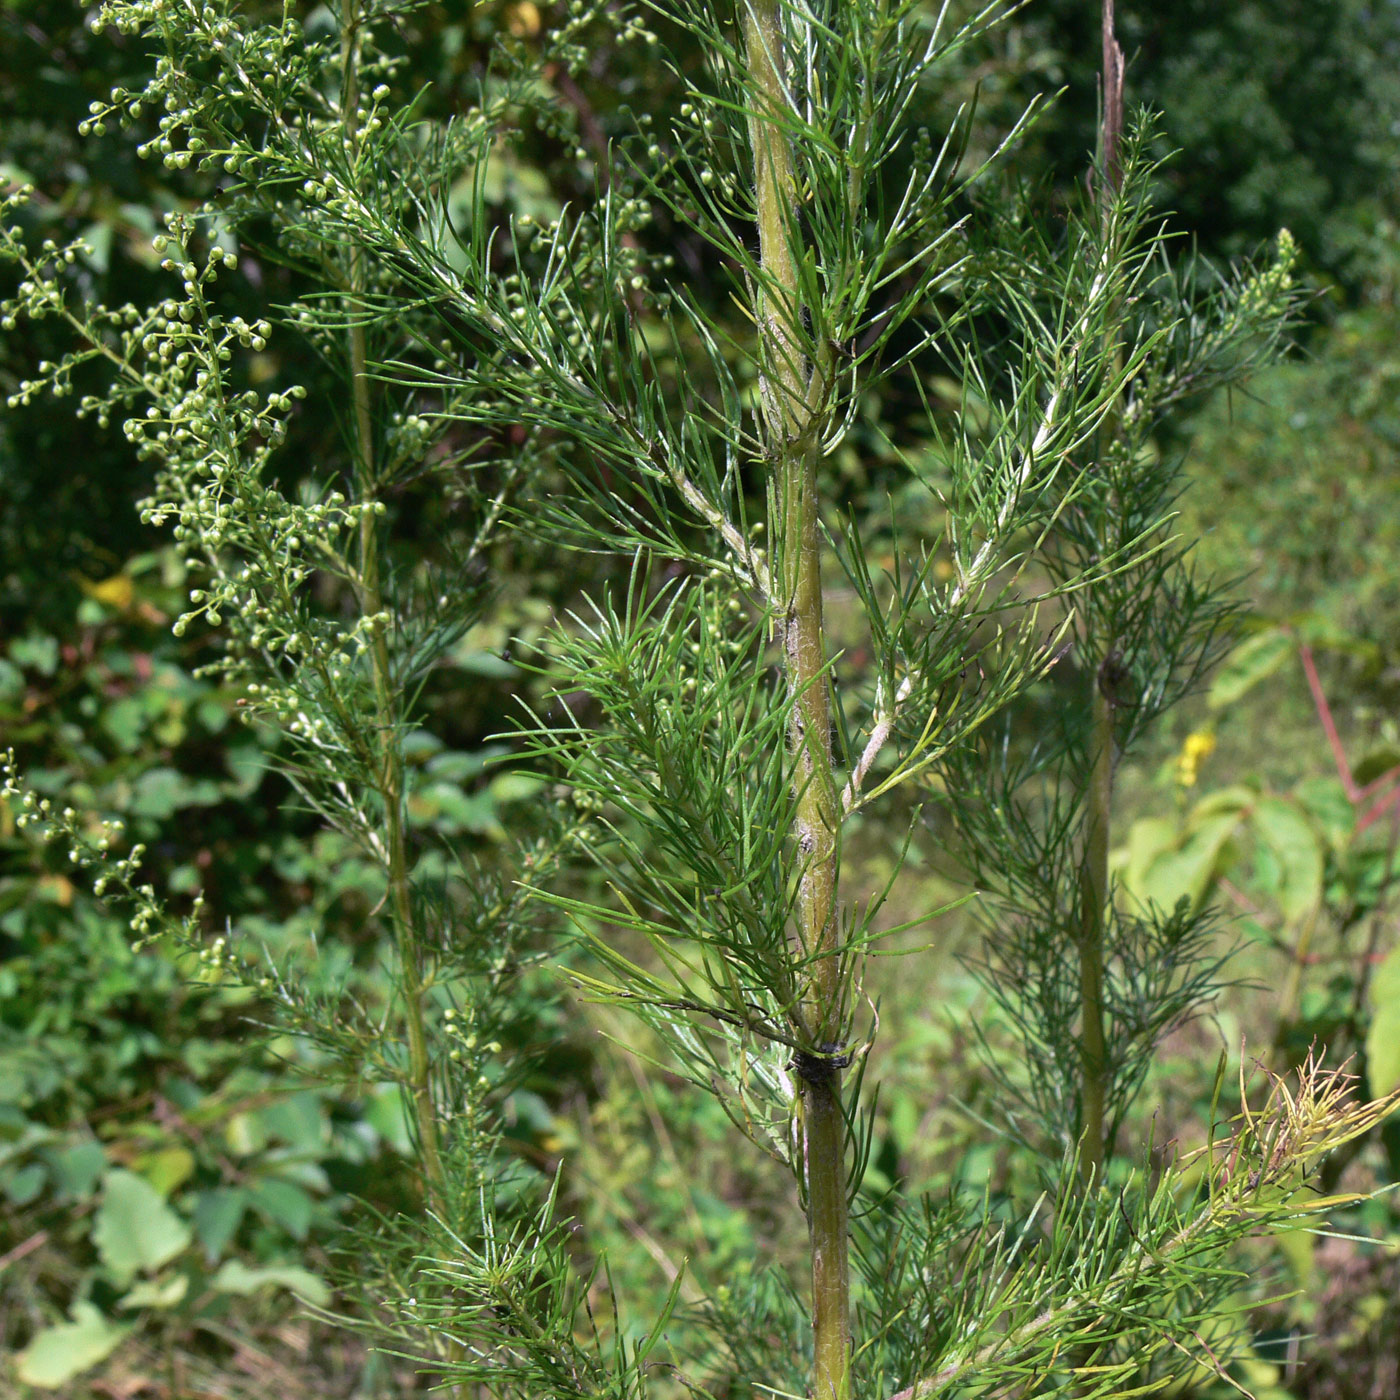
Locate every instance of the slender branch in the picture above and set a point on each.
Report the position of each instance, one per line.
(1093, 873)
(1355, 792)
(1112, 104)
(879, 736)
(391, 773)
(790, 412)
(1329, 725)
(1391, 775)
(27, 1246)
(1377, 809)
(744, 552)
(1093, 894)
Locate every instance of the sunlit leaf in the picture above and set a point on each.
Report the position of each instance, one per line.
(136, 1231)
(1287, 830)
(57, 1354)
(1252, 661)
(237, 1277)
(1383, 1037)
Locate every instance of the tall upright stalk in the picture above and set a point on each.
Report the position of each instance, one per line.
(1111, 133)
(788, 400)
(391, 773)
(1093, 879)
(1093, 895)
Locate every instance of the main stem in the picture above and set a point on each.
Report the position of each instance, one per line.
(1093, 898)
(798, 588)
(391, 773)
(1093, 874)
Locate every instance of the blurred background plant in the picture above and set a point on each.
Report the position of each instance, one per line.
(148, 1157)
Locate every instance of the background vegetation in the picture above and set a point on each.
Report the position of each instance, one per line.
(143, 1120)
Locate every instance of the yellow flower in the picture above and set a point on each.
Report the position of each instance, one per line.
(1200, 744)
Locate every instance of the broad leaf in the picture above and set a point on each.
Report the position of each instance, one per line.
(1326, 801)
(75, 1169)
(285, 1205)
(217, 1216)
(237, 1277)
(1249, 663)
(157, 1293)
(1288, 832)
(57, 1354)
(1186, 870)
(136, 1231)
(1383, 1039)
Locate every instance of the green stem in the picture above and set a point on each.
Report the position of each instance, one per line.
(1093, 874)
(391, 773)
(789, 412)
(1093, 893)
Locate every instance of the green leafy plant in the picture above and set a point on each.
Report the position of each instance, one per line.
(118, 1068)
(1311, 869)
(552, 379)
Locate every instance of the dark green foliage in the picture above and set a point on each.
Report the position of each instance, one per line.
(1280, 115)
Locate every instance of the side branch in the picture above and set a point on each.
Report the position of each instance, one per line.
(879, 736)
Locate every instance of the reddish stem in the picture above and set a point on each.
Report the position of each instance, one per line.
(1355, 793)
(1377, 809)
(1390, 775)
(1324, 713)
